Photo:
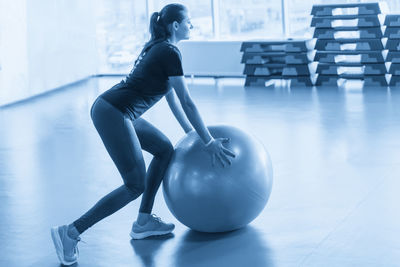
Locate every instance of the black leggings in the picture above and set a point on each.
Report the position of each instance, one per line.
(124, 140)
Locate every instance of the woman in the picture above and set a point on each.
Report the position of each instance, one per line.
(116, 116)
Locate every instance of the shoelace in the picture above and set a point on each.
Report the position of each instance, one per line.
(76, 250)
(156, 218)
(76, 246)
(80, 240)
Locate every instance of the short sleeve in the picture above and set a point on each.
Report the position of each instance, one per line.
(173, 62)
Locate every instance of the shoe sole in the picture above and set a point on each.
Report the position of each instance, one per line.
(147, 234)
(59, 247)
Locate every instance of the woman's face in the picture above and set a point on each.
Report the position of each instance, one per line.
(183, 31)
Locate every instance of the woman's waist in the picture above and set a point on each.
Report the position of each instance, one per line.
(133, 104)
(145, 87)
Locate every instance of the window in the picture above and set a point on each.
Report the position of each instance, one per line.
(122, 29)
(394, 6)
(249, 19)
(122, 25)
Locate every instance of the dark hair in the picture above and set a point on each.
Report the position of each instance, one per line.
(159, 22)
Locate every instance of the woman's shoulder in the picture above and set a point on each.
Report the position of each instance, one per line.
(166, 46)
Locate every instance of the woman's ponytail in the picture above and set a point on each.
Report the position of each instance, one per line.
(157, 29)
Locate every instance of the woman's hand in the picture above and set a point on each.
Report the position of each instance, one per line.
(218, 151)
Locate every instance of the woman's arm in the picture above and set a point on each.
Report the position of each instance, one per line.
(214, 146)
(178, 112)
(190, 109)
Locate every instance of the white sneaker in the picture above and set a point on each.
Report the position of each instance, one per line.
(66, 247)
(154, 226)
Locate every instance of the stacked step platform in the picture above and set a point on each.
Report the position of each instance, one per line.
(392, 32)
(349, 44)
(266, 61)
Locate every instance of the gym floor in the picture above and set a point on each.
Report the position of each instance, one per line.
(334, 201)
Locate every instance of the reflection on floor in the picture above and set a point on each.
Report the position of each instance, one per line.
(334, 202)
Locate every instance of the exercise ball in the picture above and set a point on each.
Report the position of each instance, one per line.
(210, 198)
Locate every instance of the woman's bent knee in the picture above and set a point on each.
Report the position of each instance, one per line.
(134, 181)
(166, 150)
(136, 189)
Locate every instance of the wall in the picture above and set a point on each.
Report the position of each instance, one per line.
(13, 50)
(45, 44)
(213, 58)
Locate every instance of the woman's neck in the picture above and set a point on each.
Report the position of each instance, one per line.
(173, 40)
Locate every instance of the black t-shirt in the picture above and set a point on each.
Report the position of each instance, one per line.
(148, 81)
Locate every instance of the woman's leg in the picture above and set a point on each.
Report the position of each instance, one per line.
(156, 143)
(120, 139)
